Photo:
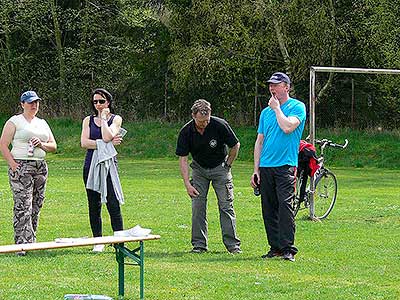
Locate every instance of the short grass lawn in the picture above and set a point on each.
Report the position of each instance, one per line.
(354, 254)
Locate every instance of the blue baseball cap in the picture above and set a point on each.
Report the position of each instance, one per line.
(279, 77)
(29, 97)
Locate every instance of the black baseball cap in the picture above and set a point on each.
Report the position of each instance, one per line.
(279, 77)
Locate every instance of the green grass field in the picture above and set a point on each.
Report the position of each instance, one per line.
(354, 254)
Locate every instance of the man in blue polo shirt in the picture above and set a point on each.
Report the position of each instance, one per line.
(275, 164)
(207, 138)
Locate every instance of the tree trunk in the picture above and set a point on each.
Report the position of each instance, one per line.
(11, 91)
(328, 84)
(60, 54)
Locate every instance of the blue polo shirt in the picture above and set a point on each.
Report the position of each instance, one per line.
(279, 148)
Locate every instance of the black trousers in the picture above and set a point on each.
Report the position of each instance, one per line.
(277, 189)
(94, 202)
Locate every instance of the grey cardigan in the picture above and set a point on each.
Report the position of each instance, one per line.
(102, 163)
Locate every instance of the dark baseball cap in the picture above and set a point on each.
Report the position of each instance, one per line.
(29, 97)
(279, 77)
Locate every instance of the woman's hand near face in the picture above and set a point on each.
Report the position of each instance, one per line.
(104, 113)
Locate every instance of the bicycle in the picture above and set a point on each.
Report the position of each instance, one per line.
(326, 186)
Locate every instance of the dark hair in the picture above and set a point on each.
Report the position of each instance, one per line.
(104, 93)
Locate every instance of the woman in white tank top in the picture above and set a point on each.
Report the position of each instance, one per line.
(30, 138)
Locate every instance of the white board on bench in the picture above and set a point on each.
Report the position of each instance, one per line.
(71, 242)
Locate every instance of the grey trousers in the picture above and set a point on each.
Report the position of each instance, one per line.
(221, 179)
(28, 185)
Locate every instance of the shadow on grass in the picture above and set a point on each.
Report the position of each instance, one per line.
(210, 256)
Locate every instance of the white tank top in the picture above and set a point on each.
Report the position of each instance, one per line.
(24, 132)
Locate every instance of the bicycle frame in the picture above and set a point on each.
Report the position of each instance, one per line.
(321, 160)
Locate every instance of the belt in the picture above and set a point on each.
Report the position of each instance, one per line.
(223, 164)
(29, 160)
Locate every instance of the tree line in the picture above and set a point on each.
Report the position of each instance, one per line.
(158, 56)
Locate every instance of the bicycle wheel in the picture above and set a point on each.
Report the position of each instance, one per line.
(300, 193)
(325, 194)
(296, 201)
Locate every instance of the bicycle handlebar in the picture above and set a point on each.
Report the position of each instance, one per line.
(326, 142)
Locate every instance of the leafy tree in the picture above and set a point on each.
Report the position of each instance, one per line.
(158, 56)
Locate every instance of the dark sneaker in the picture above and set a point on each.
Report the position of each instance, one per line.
(198, 250)
(235, 251)
(271, 254)
(288, 256)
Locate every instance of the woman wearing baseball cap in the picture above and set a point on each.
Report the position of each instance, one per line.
(31, 138)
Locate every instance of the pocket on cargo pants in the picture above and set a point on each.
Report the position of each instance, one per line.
(229, 191)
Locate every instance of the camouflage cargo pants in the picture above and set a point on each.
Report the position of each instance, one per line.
(28, 185)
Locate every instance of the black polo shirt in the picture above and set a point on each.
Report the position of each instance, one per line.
(210, 148)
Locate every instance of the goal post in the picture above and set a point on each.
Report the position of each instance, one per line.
(313, 71)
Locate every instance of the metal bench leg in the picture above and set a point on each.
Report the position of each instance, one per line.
(141, 270)
(121, 272)
(138, 258)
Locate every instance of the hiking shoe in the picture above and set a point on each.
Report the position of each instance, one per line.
(271, 254)
(235, 251)
(288, 256)
(198, 250)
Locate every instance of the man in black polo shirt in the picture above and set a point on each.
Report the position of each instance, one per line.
(207, 139)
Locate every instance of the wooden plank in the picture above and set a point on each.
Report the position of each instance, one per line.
(78, 242)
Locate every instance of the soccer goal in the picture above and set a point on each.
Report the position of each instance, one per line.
(313, 71)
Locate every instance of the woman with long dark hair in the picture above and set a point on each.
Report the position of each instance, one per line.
(100, 132)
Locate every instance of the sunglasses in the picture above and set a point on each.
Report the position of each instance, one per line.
(100, 101)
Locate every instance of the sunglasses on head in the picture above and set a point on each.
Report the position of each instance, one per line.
(100, 101)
